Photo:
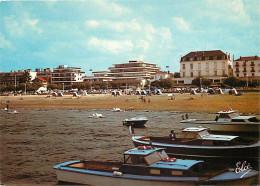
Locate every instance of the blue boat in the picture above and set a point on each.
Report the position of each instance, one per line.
(146, 165)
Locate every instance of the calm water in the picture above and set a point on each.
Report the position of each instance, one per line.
(33, 141)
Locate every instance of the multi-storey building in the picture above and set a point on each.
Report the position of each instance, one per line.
(44, 73)
(133, 73)
(247, 68)
(16, 77)
(67, 75)
(161, 75)
(215, 65)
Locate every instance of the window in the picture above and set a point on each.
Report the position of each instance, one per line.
(199, 66)
(210, 57)
(237, 75)
(219, 57)
(215, 73)
(223, 72)
(223, 64)
(244, 74)
(183, 74)
(187, 59)
(191, 74)
(207, 65)
(207, 73)
(215, 64)
(199, 73)
(203, 58)
(195, 59)
(183, 66)
(253, 74)
(191, 66)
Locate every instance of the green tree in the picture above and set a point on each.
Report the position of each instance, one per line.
(26, 77)
(204, 81)
(231, 81)
(3, 88)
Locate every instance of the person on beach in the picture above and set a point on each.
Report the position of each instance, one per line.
(172, 135)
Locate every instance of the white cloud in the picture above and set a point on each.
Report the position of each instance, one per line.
(232, 10)
(92, 23)
(181, 24)
(112, 46)
(5, 43)
(19, 27)
(116, 26)
(111, 7)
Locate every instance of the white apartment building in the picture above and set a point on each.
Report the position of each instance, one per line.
(247, 68)
(161, 75)
(67, 75)
(133, 73)
(215, 65)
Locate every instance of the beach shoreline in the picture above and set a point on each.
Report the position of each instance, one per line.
(247, 103)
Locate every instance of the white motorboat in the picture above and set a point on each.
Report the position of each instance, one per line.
(138, 121)
(13, 112)
(226, 121)
(117, 110)
(96, 115)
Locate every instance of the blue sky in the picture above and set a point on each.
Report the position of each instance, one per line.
(94, 34)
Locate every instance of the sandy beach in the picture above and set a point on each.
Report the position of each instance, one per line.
(247, 103)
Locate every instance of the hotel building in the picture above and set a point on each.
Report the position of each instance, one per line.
(67, 75)
(133, 73)
(214, 65)
(247, 68)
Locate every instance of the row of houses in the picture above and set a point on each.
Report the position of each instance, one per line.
(215, 65)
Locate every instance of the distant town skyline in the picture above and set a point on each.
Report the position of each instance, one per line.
(96, 34)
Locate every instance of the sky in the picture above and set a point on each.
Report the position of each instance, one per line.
(95, 34)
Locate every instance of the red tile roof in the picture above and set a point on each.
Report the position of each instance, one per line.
(42, 79)
(205, 53)
(248, 58)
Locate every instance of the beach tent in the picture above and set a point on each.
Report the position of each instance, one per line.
(54, 94)
(60, 94)
(41, 89)
(193, 91)
(143, 92)
(116, 93)
(157, 92)
(75, 94)
(234, 91)
(211, 91)
(84, 93)
(219, 91)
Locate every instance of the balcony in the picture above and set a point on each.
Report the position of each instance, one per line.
(244, 70)
(244, 64)
(237, 65)
(252, 64)
(237, 71)
(252, 70)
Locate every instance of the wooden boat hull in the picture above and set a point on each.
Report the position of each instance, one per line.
(231, 154)
(236, 127)
(100, 178)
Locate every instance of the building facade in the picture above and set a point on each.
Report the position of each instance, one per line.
(67, 75)
(133, 73)
(44, 73)
(15, 77)
(247, 68)
(214, 65)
